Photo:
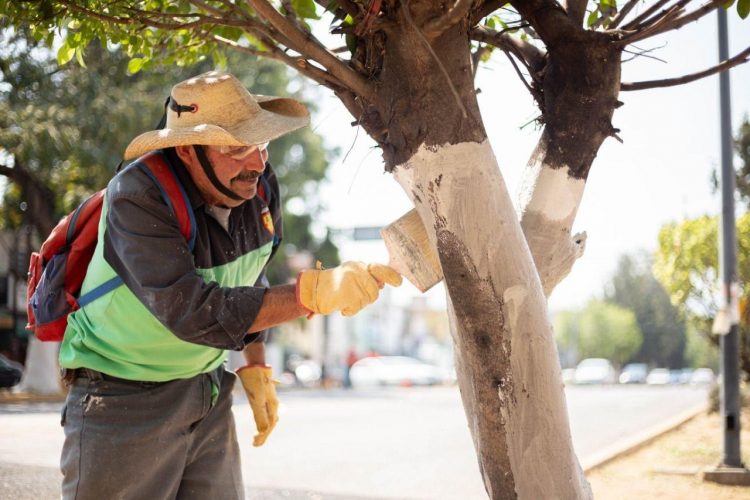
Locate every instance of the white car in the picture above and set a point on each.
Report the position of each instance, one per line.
(658, 376)
(395, 371)
(595, 371)
(702, 376)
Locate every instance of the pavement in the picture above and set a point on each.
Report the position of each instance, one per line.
(364, 445)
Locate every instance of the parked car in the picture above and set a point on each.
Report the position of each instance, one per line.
(634, 373)
(658, 376)
(569, 376)
(595, 371)
(395, 371)
(10, 372)
(703, 376)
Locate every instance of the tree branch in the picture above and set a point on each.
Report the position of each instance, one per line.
(576, 11)
(450, 18)
(620, 17)
(307, 45)
(740, 58)
(674, 23)
(547, 18)
(530, 54)
(644, 15)
(485, 9)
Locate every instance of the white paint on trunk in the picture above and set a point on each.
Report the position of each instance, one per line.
(459, 188)
(41, 374)
(547, 202)
(551, 192)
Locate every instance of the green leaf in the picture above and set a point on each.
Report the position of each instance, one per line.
(79, 57)
(743, 8)
(135, 65)
(65, 53)
(593, 16)
(305, 9)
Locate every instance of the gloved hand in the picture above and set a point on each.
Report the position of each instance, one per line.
(261, 393)
(346, 288)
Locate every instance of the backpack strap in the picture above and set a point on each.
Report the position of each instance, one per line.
(174, 195)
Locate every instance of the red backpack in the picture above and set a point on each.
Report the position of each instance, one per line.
(57, 271)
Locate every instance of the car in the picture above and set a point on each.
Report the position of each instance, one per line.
(634, 373)
(569, 376)
(394, 371)
(702, 376)
(595, 371)
(10, 372)
(658, 376)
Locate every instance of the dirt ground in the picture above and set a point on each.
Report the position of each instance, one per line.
(671, 466)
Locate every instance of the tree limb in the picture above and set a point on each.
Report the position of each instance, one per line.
(531, 55)
(740, 58)
(547, 18)
(485, 9)
(644, 15)
(576, 10)
(208, 8)
(620, 17)
(674, 23)
(450, 18)
(307, 45)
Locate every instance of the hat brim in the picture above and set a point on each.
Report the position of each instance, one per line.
(278, 116)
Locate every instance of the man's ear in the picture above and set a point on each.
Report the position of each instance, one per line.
(184, 153)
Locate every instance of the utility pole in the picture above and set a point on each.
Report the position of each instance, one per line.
(730, 470)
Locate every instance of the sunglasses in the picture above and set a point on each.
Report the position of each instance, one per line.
(242, 152)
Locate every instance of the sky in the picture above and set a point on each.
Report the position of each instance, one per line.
(660, 174)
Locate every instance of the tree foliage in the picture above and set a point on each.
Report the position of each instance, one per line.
(63, 130)
(634, 287)
(687, 264)
(601, 330)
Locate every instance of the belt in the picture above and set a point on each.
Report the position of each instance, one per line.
(69, 375)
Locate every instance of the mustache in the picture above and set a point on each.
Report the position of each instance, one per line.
(248, 176)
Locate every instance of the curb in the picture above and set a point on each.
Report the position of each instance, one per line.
(630, 445)
(7, 397)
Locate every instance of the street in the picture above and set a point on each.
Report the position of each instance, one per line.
(393, 443)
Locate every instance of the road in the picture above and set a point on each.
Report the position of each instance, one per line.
(392, 443)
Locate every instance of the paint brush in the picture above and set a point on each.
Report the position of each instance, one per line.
(410, 251)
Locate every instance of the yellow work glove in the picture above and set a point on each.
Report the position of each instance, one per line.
(261, 393)
(346, 288)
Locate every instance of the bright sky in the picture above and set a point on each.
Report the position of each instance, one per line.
(660, 174)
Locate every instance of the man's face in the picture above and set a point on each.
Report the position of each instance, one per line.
(237, 168)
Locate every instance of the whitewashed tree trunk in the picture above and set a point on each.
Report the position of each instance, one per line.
(41, 374)
(547, 203)
(509, 373)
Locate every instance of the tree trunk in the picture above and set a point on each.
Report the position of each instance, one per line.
(580, 88)
(39, 198)
(509, 373)
(41, 374)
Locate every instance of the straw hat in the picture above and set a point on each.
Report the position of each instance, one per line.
(215, 109)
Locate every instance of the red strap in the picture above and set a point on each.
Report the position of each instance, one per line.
(163, 173)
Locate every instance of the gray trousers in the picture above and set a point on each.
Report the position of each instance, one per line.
(150, 440)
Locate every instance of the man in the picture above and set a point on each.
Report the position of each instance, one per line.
(148, 414)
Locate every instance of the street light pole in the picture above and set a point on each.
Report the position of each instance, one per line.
(730, 387)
